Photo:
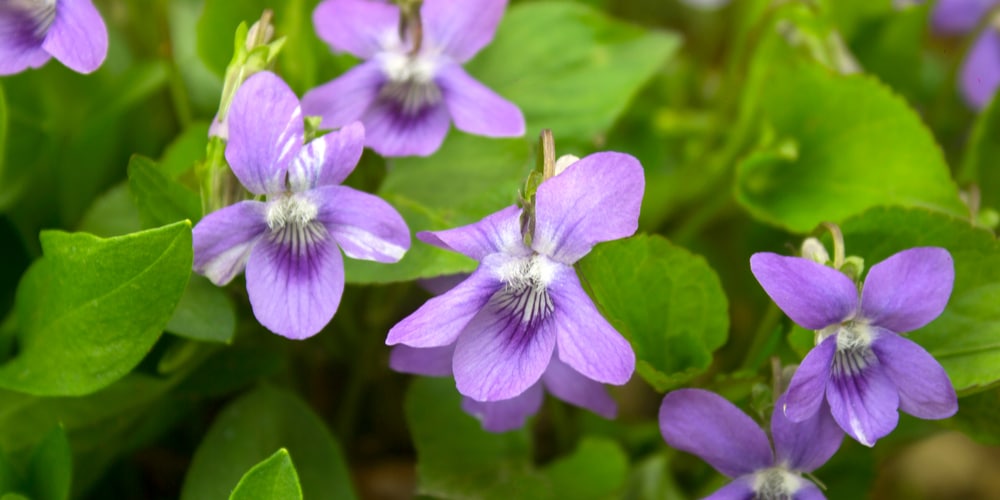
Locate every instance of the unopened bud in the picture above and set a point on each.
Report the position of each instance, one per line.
(261, 32)
(813, 250)
(853, 267)
(564, 162)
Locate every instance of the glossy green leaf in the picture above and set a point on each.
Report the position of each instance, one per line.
(667, 301)
(112, 214)
(272, 479)
(964, 337)
(51, 468)
(819, 162)
(90, 309)
(596, 469)
(249, 430)
(570, 68)
(161, 200)
(188, 148)
(980, 163)
(977, 417)
(3, 131)
(204, 312)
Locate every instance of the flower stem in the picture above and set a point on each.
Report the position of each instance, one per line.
(838, 243)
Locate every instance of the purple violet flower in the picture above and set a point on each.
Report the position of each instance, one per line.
(861, 364)
(980, 72)
(507, 319)
(289, 243)
(559, 379)
(33, 31)
(705, 424)
(407, 100)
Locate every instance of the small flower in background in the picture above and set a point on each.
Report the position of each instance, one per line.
(290, 244)
(33, 31)
(524, 304)
(980, 73)
(861, 365)
(705, 424)
(559, 379)
(411, 85)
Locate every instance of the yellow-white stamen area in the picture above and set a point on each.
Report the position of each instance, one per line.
(851, 335)
(526, 281)
(410, 76)
(290, 209)
(776, 483)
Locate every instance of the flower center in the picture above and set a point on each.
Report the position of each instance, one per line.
(525, 290)
(410, 77)
(38, 15)
(776, 483)
(292, 221)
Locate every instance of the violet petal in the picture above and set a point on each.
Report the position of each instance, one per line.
(808, 444)
(587, 342)
(498, 355)
(344, 100)
(807, 389)
(392, 131)
(595, 199)
(441, 319)
(461, 28)
(475, 108)
(955, 17)
(20, 45)
(813, 295)
(78, 37)
(808, 491)
(909, 289)
(738, 489)
(355, 26)
(223, 239)
(295, 288)
(364, 225)
(429, 361)
(265, 133)
(328, 160)
(925, 391)
(707, 425)
(497, 232)
(863, 399)
(508, 414)
(980, 72)
(570, 386)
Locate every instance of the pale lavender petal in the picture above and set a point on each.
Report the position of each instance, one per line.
(77, 37)
(223, 240)
(862, 397)
(925, 391)
(356, 26)
(499, 355)
(980, 73)
(429, 361)
(738, 489)
(497, 232)
(16, 60)
(475, 108)
(441, 319)
(587, 342)
(21, 37)
(955, 17)
(391, 131)
(705, 424)
(813, 295)
(808, 491)
(808, 444)
(508, 414)
(364, 225)
(344, 100)
(461, 28)
(295, 289)
(909, 289)
(595, 199)
(265, 133)
(807, 389)
(570, 386)
(328, 160)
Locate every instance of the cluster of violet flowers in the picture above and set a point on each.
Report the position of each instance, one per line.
(521, 323)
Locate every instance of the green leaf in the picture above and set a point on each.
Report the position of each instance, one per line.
(187, 149)
(667, 301)
(569, 67)
(964, 337)
(821, 163)
(272, 479)
(90, 309)
(3, 131)
(161, 200)
(51, 467)
(982, 153)
(597, 469)
(977, 417)
(249, 429)
(204, 312)
(112, 214)
(467, 179)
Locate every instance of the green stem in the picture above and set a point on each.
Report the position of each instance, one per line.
(763, 337)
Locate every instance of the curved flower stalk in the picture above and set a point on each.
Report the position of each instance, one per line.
(33, 31)
(559, 379)
(290, 244)
(524, 303)
(705, 424)
(980, 73)
(861, 364)
(411, 85)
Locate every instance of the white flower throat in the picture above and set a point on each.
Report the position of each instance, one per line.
(776, 483)
(41, 14)
(410, 77)
(525, 291)
(854, 340)
(292, 221)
